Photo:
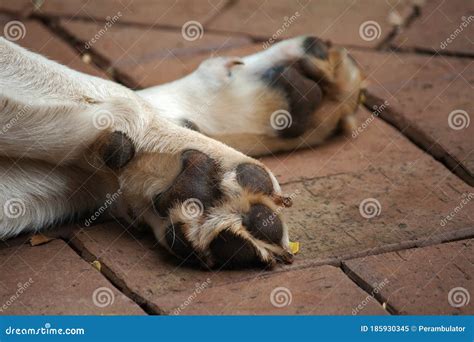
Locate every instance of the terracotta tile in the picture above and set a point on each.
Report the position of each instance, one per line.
(52, 279)
(338, 21)
(34, 36)
(429, 100)
(435, 280)
(443, 26)
(149, 56)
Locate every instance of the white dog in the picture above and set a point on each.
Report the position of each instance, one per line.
(70, 142)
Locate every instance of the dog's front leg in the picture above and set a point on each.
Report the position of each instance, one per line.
(204, 200)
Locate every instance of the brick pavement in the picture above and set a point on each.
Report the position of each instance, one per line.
(413, 162)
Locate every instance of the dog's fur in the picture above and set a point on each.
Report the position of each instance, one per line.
(69, 141)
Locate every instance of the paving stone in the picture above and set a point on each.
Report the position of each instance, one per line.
(36, 37)
(164, 284)
(149, 57)
(414, 191)
(144, 12)
(325, 219)
(443, 26)
(338, 21)
(144, 269)
(435, 280)
(323, 290)
(430, 101)
(17, 7)
(52, 279)
(332, 219)
(376, 143)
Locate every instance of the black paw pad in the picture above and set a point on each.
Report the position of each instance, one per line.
(199, 179)
(315, 47)
(118, 151)
(178, 242)
(254, 178)
(264, 224)
(232, 251)
(303, 96)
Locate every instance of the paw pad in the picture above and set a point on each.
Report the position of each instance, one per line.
(302, 94)
(264, 224)
(230, 251)
(199, 179)
(118, 151)
(178, 243)
(315, 47)
(254, 178)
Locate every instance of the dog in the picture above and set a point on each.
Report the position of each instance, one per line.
(175, 157)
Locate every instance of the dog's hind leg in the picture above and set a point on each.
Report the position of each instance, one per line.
(35, 195)
(296, 93)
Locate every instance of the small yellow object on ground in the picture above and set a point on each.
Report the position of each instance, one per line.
(97, 265)
(295, 247)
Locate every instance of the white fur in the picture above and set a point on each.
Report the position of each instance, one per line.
(52, 118)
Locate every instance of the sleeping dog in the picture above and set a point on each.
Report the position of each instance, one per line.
(174, 157)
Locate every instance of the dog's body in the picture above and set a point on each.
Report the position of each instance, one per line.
(69, 142)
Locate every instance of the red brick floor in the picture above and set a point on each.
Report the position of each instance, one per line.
(414, 162)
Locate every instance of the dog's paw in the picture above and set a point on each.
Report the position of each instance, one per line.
(319, 83)
(297, 92)
(214, 206)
